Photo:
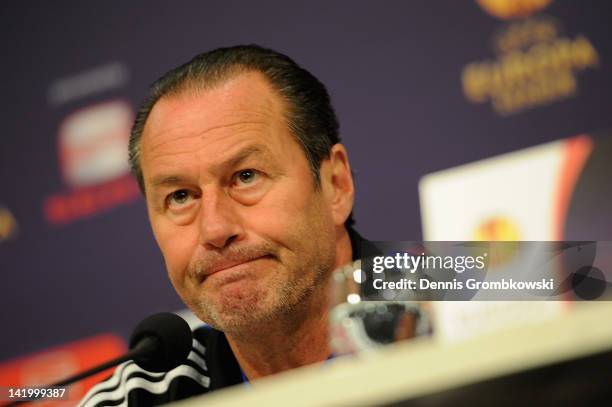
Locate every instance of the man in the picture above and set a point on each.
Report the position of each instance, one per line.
(249, 195)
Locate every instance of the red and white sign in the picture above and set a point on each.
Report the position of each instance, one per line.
(93, 143)
(93, 156)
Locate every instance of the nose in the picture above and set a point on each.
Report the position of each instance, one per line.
(219, 220)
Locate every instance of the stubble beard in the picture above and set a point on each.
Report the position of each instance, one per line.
(283, 303)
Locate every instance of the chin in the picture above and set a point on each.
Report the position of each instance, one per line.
(235, 313)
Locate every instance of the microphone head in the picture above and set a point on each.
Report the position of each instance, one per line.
(171, 337)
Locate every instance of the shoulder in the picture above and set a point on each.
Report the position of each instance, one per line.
(132, 386)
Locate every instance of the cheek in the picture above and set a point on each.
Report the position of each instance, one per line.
(292, 216)
(281, 212)
(177, 244)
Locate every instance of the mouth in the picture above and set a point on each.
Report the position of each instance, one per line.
(237, 266)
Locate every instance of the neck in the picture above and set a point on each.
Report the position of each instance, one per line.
(295, 340)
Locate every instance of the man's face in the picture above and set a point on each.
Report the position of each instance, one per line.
(245, 234)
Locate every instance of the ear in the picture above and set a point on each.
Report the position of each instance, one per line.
(337, 183)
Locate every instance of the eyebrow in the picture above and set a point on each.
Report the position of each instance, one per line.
(235, 160)
(245, 153)
(167, 180)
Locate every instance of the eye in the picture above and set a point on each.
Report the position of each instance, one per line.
(248, 186)
(245, 177)
(177, 198)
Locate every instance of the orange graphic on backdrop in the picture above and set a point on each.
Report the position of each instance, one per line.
(507, 9)
(498, 228)
(8, 224)
(576, 153)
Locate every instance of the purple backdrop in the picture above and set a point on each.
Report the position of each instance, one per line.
(393, 70)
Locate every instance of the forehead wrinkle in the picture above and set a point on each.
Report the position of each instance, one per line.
(247, 94)
(248, 125)
(234, 159)
(178, 125)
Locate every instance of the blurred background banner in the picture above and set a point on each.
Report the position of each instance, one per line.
(426, 92)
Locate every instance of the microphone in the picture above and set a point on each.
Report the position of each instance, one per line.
(159, 343)
(163, 340)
